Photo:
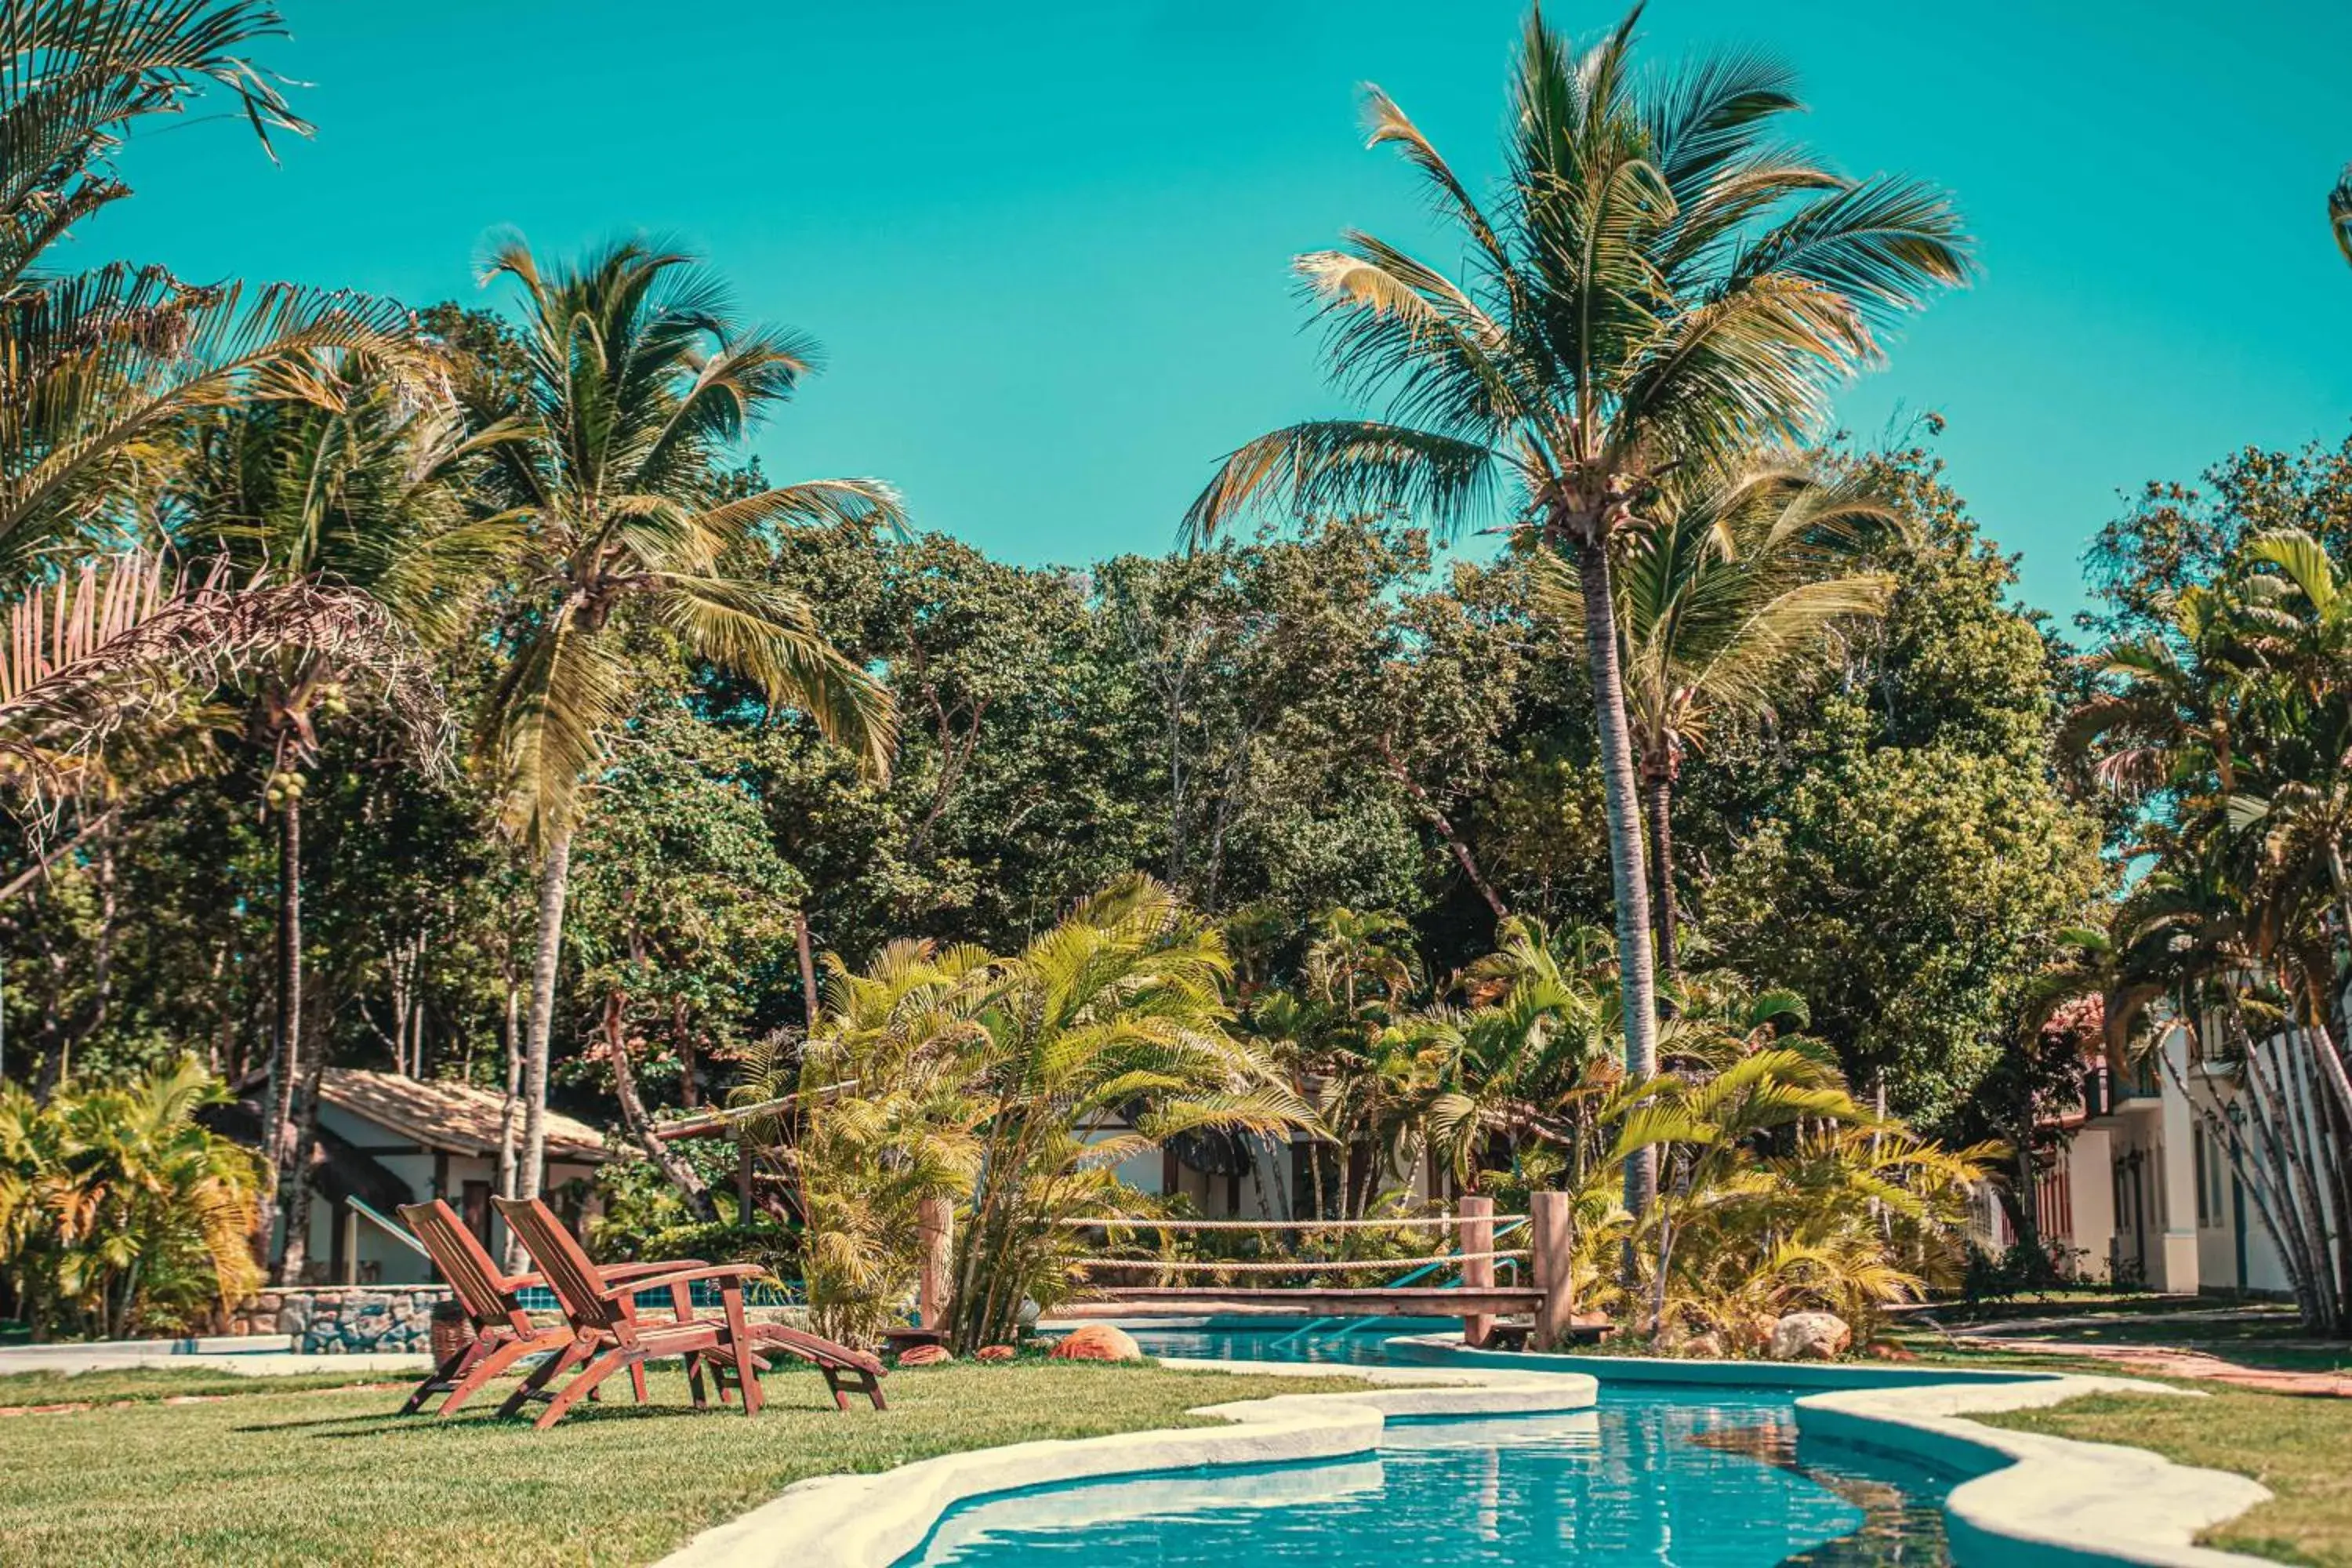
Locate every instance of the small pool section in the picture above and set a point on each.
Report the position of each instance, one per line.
(1690, 1476)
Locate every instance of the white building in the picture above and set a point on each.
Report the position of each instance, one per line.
(385, 1140)
(2143, 1190)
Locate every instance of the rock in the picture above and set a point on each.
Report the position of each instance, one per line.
(1095, 1341)
(925, 1355)
(1809, 1336)
(994, 1353)
(1887, 1350)
(1707, 1346)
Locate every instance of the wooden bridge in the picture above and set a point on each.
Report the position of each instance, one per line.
(1476, 1298)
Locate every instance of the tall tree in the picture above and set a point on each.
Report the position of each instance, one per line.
(94, 363)
(1721, 603)
(640, 381)
(1665, 282)
(343, 475)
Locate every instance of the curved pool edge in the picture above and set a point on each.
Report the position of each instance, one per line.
(2036, 1500)
(2028, 1501)
(871, 1521)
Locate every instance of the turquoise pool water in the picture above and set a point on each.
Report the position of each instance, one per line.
(1691, 1477)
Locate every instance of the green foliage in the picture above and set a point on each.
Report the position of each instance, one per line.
(119, 1212)
(1012, 1086)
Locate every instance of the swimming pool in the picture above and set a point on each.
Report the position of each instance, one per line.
(1689, 1476)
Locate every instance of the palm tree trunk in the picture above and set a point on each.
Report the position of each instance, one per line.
(286, 1045)
(291, 1261)
(1636, 978)
(554, 882)
(1657, 790)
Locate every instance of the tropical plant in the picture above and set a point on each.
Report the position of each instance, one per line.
(1014, 1085)
(2339, 212)
(120, 646)
(336, 474)
(1737, 582)
(1667, 282)
(885, 1116)
(119, 1211)
(96, 365)
(639, 382)
(2232, 732)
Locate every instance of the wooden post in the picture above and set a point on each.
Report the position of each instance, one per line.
(1551, 1220)
(1477, 1225)
(935, 1223)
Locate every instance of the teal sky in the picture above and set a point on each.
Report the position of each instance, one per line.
(1044, 245)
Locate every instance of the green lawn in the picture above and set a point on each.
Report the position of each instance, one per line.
(2296, 1446)
(274, 1476)
(20, 1389)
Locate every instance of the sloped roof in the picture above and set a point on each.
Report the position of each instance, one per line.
(455, 1116)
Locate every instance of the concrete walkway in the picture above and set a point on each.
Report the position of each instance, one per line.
(228, 1355)
(2057, 1336)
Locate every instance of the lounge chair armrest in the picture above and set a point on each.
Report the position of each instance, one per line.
(617, 1271)
(683, 1277)
(521, 1281)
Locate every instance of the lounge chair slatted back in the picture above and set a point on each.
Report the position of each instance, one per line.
(476, 1281)
(565, 1264)
(503, 1336)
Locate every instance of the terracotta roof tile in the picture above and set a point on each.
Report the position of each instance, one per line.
(455, 1116)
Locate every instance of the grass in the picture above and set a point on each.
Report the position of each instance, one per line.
(2296, 1446)
(274, 1476)
(147, 1384)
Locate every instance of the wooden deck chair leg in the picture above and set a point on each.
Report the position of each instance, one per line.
(482, 1371)
(597, 1372)
(739, 1342)
(445, 1376)
(833, 1383)
(535, 1385)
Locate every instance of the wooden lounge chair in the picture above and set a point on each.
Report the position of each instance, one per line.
(503, 1332)
(845, 1370)
(606, 1333)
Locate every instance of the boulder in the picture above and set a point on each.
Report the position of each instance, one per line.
(1810, 1336)
(994, 1353)
(1707, 1346)
(1095, 1341)
(926, 1355)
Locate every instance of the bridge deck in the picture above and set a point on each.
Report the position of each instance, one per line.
(1144, 1301)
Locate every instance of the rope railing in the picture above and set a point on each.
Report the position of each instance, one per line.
(1447, 1220)
(1293, 1266)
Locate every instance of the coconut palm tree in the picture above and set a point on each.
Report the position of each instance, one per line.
(346, 476)
(1664, 280)
(640, 382)
(1738, 581)
(95, 364)
(2339, 212)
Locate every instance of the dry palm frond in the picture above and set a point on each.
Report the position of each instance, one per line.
(119, 643)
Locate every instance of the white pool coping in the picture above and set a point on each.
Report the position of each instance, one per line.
(2035, 1500)
(872, 1520)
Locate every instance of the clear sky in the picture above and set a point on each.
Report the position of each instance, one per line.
(1045, 244)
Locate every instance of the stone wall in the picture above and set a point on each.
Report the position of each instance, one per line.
(339, 1319)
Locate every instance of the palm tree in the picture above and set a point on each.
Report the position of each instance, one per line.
(341, 475)
(2339, 212)
(1106, 1036)
(640, 381)
(1666, 282)
(110, 650)
(93, 365)
(1734, 587)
